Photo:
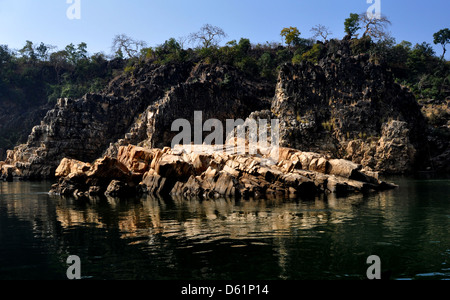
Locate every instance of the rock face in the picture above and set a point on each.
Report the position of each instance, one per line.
(352, 108)
(212, 174)
(438, 115)
(136, 108)
(218, 92)
(7, 172)
(344, 107)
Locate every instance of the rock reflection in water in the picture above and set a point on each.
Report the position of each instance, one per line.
(205, 220)
(171, 238)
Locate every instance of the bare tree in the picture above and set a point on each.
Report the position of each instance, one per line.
(126, 45)
(182, 40)
(375, 27)
(321, 31)
(208, 36)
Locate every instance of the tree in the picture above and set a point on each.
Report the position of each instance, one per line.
(59, 60)
(266, 66)
(5, 55)
(75, 55)
(442, 37)
(291, 35)
(244, 47)
(420, 59)
(208, 36)
(123, 44)
(42, 51)
(170, 51)
(376, 28)
(352, 25)
(321, 31)
(28, 51)
(398, 58)
(182, 40)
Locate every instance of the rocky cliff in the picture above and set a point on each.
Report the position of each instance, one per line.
(344, 106)
(351, 107)
(219, 92)
(139, 108)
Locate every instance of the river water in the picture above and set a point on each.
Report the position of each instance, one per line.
(178, 239)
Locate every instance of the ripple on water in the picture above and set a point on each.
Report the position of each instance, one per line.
(433, 275)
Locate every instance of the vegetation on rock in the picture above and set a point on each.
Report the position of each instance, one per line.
(33, 78)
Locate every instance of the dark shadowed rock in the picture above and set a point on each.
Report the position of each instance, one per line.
(119, 189)
(136, 109)
(351, 108)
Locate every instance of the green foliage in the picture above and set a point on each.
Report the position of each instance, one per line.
(170, 51)
(298, 54)
(248, 65)
(291, 35)
(75, 55)
(35, 76)
(420, 59)
(416, 67)
(442, 37)
(242, 58)
(266, 65)
(352, 24)
(42, 52)
(71, 91)
(28, 52)
(362, 45)
(208, 55)
(147, 53)
(314, 54)
(297, 59)
(244, 47)
(283, 56)
(129, 69)
(398, 58)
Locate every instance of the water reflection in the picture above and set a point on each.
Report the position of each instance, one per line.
(197, 219)
(177, 238)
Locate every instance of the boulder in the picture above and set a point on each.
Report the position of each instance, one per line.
(174, 167)
(108, 168)
(155, 184)
(136, 159)
(343, 168)
(212, 174)
(7, 172)
(117, 189)
(394, 150)
(68, 166)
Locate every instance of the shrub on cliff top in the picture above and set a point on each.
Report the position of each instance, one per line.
(314, 54)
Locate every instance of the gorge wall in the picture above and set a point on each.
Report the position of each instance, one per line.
(351, 107)
(344, 106)
(135, 108)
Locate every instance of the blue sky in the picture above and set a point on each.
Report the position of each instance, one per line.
(155, 21)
